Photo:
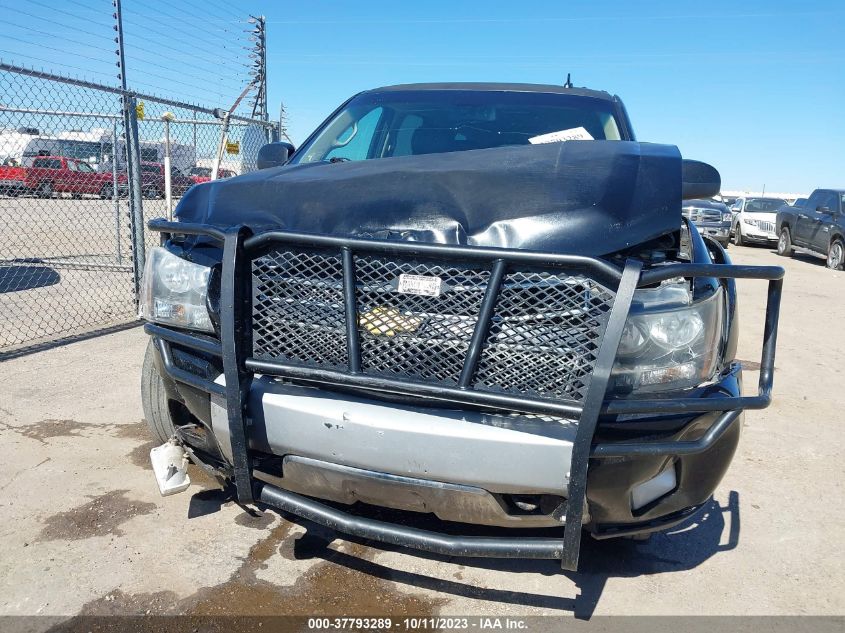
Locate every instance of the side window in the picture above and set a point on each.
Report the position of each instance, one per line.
(829, 200)
(71, 166)
(85, 168)
(815, 200)
(355, 141)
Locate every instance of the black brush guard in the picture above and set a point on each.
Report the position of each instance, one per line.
(240, 249)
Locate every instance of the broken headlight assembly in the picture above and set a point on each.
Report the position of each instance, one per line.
(670, 342)
(174, 291)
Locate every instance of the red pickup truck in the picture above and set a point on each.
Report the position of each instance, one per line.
(50, 175)
(152, 181)
(57, 174)
(203, 174)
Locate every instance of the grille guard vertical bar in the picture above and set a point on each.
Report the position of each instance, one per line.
(590, 415)
(235, 332)
(482, 325)
(353, 343)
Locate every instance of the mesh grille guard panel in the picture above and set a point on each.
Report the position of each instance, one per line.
(297, 309)
(541, 340)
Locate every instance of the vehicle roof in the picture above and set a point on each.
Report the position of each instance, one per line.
(703, 202)
(497, 87)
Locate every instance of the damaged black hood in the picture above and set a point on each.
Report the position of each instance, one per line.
(578, 197)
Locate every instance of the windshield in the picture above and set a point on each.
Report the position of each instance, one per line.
(755, 205)
(404, 123)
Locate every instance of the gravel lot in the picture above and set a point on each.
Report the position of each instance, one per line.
(84, 530)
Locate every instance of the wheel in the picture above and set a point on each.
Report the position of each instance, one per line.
(106, 192)
(738, 235)
(785, 243)
(76, 196)
(836, 255)
(154, 399)
(45, 190)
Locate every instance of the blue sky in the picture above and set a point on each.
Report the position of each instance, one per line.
(757, 89)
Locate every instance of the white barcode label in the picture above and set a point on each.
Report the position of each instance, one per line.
(420, 285)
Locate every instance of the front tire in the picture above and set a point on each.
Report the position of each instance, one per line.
(154, 399)
(106, 192)
(836, 255)
(738, 235)
(785, 243)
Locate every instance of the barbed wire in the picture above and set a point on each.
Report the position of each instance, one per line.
(73, 31)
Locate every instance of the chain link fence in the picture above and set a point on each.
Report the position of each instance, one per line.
(82, 167)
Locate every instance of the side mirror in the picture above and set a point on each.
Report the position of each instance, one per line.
(274, 154)
(823, 209)
(699, 180)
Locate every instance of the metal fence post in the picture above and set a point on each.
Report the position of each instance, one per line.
(136, 210)
(115, 193)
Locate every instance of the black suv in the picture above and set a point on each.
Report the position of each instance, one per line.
(477, 301)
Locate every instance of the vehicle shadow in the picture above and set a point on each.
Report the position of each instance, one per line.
(19, 277)
(713, 530)
(807, 258)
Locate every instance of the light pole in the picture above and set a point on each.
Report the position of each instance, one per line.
(167, 117)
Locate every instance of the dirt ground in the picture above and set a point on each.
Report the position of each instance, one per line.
(83, 529)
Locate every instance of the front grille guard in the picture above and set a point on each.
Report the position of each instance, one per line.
(235, 350)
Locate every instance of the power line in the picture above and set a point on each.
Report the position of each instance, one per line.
(182, 34)
(55, 10)
(544, 19)
(63, 26)
(52, 48)
(237, 65)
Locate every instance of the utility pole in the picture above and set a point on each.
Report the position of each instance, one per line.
(258, 34)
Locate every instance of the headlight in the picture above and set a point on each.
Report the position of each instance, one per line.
(174, 291)
(668, 342)
(750, 221)
(726, 217)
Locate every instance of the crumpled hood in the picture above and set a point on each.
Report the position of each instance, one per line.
(578, 197)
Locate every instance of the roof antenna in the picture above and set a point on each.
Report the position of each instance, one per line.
(568, 83)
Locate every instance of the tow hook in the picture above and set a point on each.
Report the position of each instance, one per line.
(170, 465)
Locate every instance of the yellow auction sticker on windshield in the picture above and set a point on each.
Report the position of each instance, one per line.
(574, 134)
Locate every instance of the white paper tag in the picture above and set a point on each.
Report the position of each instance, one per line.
(575, 134)
(419, 285)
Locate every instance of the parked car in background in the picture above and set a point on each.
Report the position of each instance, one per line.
(754, 220)
(51, 175)
(817, 226)
(713, 218)
(203, 174)
(152, 181)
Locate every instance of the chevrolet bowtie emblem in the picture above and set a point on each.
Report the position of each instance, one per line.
(385, 321)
